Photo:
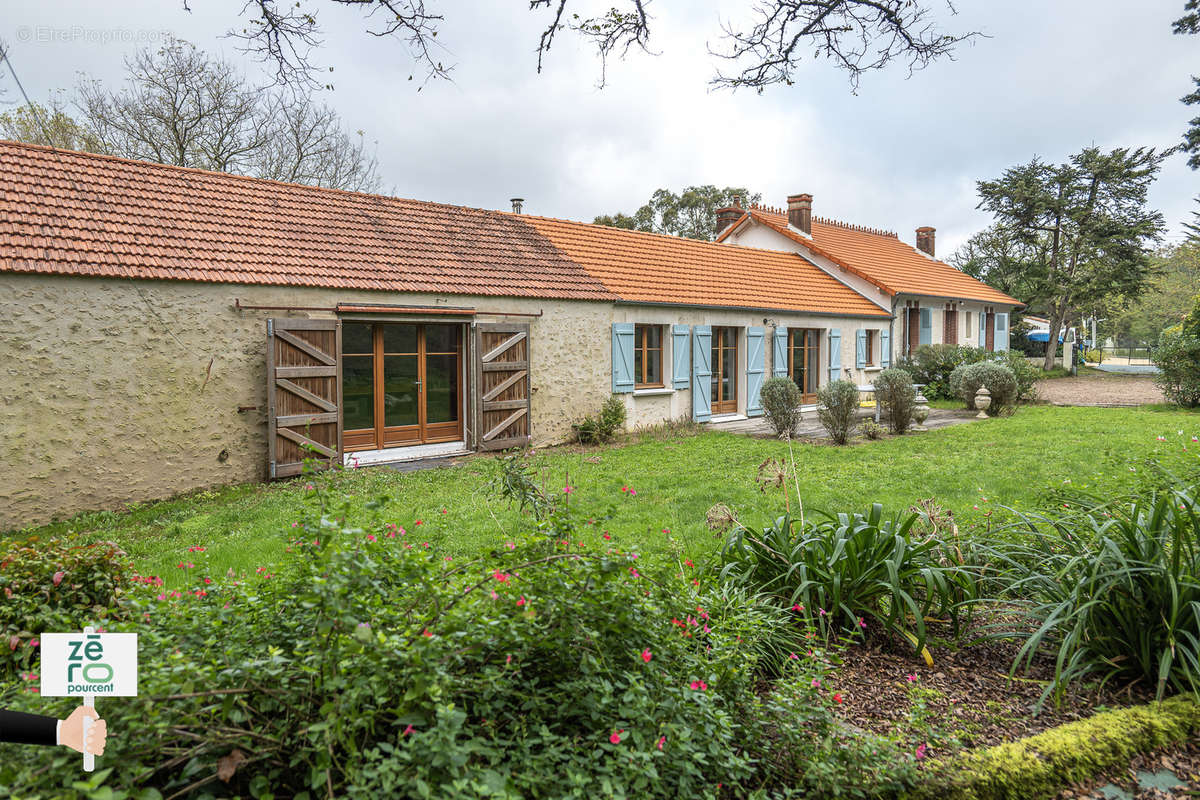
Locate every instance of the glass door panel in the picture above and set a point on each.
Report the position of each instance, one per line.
(724, 378)
(401, 391)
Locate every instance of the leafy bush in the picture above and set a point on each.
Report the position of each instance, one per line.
(1025, 373)
(53, 585)
(838, 405)
(1112, 589)
(781, 400)
(1178, 358)
(872, 429)
(897, 397)
(932, 365)
(845, 569)
(602, 428)
(998, 379)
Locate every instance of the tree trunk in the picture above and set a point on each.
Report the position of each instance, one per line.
(1056, 322)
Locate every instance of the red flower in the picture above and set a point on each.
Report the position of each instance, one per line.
(426, 633)
(605, 536)
(699, 685)
(837, 698)
(661, 741)
(646, 656)
(615, 737)
(407, 731)
(521, 602)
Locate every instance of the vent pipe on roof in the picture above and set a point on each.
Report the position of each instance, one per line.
(517, 202)
(925, 240)
(800, 212)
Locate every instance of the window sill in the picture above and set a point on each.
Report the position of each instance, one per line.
(653, 392)
(872, 369)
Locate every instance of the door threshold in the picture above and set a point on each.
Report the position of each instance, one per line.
(390, 455)
(730, 417)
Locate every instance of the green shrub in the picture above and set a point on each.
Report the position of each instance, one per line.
(781, 400)
(932, 364)
(872, 429)
(1025, 373)
(897, 397)
(53, 585)
(846, 569)
(1178, 358)
(998, 379)
(838, 405)
(1113, 590)
(602, 428)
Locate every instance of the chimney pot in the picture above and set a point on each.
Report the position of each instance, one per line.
(727, 217)
(517, 202)
(799, 212)
(925, 240)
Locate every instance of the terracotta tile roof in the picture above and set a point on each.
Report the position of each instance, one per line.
(82, 214)
(653, 268)
(70, 213)
(882, 259)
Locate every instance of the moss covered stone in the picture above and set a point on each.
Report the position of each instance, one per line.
(1042, 765)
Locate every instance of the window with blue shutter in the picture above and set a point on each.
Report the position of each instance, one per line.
(779, 359)
(926, 326)
(835, 353)
(860, 349)
(622, 357)
(982, 329)
(702, 373)
(885, 348)
(756, 365)
(680, 356)
(1002, 331)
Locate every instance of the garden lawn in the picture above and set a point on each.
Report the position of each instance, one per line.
(973, 469)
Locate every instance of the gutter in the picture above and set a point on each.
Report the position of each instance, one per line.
(659, 303)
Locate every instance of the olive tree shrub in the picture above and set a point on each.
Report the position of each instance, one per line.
(781, 400)
(838, 401)
(897, 397)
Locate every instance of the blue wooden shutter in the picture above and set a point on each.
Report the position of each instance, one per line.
(702, 373)
(756, 365)
(926, 326)
(885, 348)
(622, 357)
(835, 353)
(779, 365)
(860, 349)
(982, 329)
(1002, 331)
(680, 356)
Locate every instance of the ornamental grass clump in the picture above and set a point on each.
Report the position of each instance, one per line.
(838, 403)
(852, 570)
(1112, 590)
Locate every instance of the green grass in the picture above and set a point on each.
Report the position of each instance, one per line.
(1009, 461)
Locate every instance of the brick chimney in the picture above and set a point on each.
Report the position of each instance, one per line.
(800, 212)
(925, 240)
(729, 215)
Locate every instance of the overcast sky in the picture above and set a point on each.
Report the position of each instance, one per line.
(1053, 77)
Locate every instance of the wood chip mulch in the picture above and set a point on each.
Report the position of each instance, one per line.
(974, 702)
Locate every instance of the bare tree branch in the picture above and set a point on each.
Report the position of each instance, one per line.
(857, 35)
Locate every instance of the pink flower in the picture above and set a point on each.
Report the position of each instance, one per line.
(699, 685)
(646, 655)
(208, 580)
(861, 624)
(666, 530)
(427, 634)
(521, 602)
(444, 511)
(58, 577)
(797, 607)
(568, 489)
(407, 731)
(511, 545)
(920, 751)
(792, 657)
(196, 549)
(816, 681)
(633, 492)
(661, 741)
(501, 576)
(912, 678)
(34, 642)
(309, 487)
(821, 611)
(615, 736)
(371, 537)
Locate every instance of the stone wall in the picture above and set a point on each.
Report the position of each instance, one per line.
(116, 391)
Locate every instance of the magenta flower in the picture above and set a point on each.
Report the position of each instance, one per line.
(661, 741)
(407, 731)
(521, 602)
(699, 685)
(646, 655)
(615, 736)
(920, 751)
(792, 657)
(816, 682)
(58, 577)
(568, 489)
(912, 678)
(371, 537)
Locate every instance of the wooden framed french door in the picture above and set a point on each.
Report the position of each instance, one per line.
(402, 383)
(804, 361)
(724, 370)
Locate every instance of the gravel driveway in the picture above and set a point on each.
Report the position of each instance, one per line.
(1100, 390)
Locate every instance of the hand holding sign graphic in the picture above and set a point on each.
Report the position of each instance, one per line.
(72, 731)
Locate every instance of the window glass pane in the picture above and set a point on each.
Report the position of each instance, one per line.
(728, 370)
(653, 335)
(356, 338)
(358, 392)
(637, 363)
(654, 366)
(400, 339)
(814, 364)
(441, 338)
(399, 390)
(441, 388)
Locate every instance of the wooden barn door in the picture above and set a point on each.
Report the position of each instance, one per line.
(502, 385)
(303, 394)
